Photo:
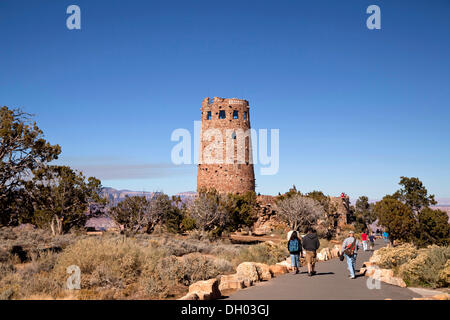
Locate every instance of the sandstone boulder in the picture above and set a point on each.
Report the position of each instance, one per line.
(335, 251)
(326, 254)
(383, 275)
(278, 269)
(286, 263)
(319, 256)
(247, 282)
(206, 290)
(248, 271)
(263, 271)
(368, 264)
(190, 296)
(231, 282)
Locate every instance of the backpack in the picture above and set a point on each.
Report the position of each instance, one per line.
(350, 250)
(293, 246)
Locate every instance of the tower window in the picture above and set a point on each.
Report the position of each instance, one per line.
(233, 135)
(222, 114)
(245, 115)
(208, 116)
(235, 114)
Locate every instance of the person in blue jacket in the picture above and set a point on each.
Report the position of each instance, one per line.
(295, 250)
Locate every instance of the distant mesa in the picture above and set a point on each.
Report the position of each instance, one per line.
(115, 196)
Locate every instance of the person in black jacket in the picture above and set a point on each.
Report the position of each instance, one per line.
(295, 249)
(311, 244)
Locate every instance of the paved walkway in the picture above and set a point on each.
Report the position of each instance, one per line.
(330, 283)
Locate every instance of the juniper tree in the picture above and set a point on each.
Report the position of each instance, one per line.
(22, 150)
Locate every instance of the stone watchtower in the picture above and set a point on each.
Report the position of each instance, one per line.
(225, 147)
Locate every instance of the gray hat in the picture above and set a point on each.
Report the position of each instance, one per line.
(351, 232)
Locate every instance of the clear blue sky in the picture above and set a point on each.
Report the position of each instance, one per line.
(356, 108)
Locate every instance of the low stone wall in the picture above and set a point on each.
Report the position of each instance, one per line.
(372, 270)
(247, 273)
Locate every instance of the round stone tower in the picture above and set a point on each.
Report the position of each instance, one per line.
(225, 160)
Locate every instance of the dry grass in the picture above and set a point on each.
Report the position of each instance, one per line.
(114, 267)
(268, 253)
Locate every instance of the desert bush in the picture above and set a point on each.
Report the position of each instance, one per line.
(391, 258)
(116, 267)
(161, 278)
(6, 294)
(4, 255)
(324, 243)
(27, 282)
(179, 247)
(198, 267)
(109, 262)
(227, 252)
(430, 268)
(151, 266)
(263, 253)
(444, 275)
(32, 240)
(44, 262)
(6, 268)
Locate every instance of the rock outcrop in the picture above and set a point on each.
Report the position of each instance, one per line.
(266, 214)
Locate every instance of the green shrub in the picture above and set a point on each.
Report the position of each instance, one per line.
(188, 223)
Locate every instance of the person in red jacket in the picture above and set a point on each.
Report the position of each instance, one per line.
(364, 240)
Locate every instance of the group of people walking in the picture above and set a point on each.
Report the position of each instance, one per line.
(310, 244)
(368, 241)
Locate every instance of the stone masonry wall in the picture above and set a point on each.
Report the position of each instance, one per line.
(226, 167)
